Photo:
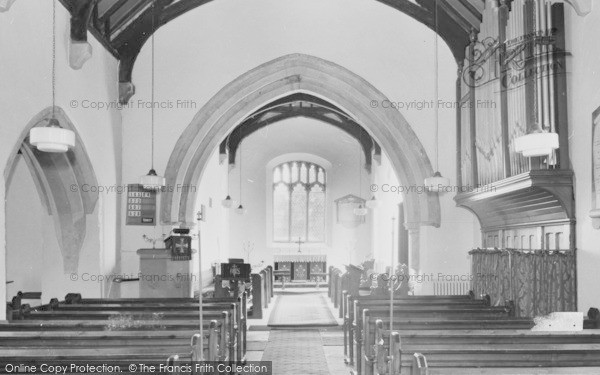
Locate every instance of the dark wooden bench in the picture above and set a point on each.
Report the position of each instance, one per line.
(27, 345)
(163, 308)
(450, 352)
(425, 310)
(353, 304)
(421, 333)
(233, 337)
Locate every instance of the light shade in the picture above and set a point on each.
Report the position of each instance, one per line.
(227, 202)
(360, 210)
(152, 181)
(52, 138)
(372, 203)
(536, 144)
(240, 210)
(436, 183)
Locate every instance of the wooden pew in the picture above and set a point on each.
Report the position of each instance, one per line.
(424, 333)
(74, 301)
(335, 285)
(368, 300)
(409, 310)
(39, 346)
(225, 313)
(485, 351)
(348, 281)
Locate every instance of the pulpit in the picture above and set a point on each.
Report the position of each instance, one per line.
(301, 267)
(162, 277)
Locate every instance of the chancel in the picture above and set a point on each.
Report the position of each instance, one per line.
(182, 179)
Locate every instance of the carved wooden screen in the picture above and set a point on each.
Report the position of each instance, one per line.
(538, 282)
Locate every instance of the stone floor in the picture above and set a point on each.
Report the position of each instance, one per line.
(298, 351)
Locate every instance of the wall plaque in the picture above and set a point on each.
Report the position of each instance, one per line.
(345, 211)
(141, 205)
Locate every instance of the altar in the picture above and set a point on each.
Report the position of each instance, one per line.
(301, 267)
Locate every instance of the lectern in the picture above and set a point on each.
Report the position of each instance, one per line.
(162, 277)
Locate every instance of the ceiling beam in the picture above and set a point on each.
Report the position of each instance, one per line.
(179, 8)
(129, 43)
(81, 13)
(125, 37)
(291, 107)
(111, 10)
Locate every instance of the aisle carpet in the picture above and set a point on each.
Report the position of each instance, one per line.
(296, 353)
(301, 309)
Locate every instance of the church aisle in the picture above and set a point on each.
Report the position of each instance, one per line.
(301, 308)
(302, 352)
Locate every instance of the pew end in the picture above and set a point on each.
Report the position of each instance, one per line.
(73, 298)
(395, 354)
(419, 365)
(511, 308)
(175, 364)
(594, 317)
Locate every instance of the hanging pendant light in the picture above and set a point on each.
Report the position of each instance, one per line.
(52, 137)
(372, 203)
(240, 210)
(436, 183)
(152, 181)
(227, 202)
(537, 143)
(361, 209)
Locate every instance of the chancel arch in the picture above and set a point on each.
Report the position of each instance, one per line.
(65, 184)
(298, 73)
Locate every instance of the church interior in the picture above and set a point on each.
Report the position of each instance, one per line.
(300, 187)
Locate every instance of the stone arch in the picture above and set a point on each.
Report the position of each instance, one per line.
(61, 180)
(297, 73)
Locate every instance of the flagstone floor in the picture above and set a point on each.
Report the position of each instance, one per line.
(300, 350)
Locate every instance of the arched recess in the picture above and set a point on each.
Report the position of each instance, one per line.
(63, 182)
(297, 73)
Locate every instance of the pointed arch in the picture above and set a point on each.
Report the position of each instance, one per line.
(278, 78)
(64, 182)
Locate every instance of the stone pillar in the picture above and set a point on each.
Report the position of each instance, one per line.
(414, 253)
(414, 247)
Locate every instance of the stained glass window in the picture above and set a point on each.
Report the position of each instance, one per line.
(298, 202)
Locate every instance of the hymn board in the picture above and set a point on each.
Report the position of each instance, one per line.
(141, 205)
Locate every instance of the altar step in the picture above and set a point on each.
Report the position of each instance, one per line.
(300, 284)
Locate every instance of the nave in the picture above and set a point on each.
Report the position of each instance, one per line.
(314, 186)
(303, 330)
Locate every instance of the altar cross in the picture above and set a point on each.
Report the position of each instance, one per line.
(299, 242)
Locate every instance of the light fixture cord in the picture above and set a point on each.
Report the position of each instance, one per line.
(359, 163)
(152, 74)
(241, 143)
(228, 151)
(53, 57)
(436, 87)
